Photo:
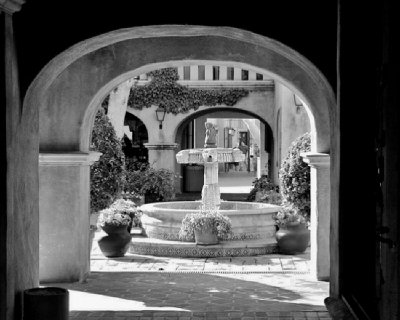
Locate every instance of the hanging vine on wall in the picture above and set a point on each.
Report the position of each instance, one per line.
(164, 91)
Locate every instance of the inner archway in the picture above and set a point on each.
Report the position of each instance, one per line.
(70, 88)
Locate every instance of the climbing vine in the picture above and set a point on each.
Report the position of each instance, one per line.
(164, 91)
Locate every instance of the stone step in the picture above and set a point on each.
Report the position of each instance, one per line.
(165, 248)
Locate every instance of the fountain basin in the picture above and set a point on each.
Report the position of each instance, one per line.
(250, 220)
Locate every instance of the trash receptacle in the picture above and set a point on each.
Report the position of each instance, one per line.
(46, 303)
(194, 178)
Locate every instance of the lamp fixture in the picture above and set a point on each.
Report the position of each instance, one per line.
(297, 102)
(160, 114)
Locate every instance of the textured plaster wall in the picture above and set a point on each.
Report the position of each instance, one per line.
(64, 223)
(293, 123)
(20, 230)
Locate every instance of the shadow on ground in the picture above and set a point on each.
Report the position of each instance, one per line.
(163, 292)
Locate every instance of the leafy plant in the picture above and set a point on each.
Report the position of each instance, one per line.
(270, 196)
(121, 212)
(294, 176)
(106, 175)
(262, 184)
(164, 91)
(147, 180)
(220, 225)
(288, 217)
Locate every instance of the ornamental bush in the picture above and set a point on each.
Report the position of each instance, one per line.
(159, 183)
(262, 184)
(107, 175)
(294, 176)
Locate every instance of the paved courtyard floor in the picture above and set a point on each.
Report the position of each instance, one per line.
(146, 287)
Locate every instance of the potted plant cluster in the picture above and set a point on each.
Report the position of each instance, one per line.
(117, 221)
(206, 227)
(292, 235)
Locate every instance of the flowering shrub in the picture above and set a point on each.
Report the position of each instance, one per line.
(270, 196)
(294, 177)
(147, 180)
(121, 212)
(261, 184)
(107, 174)
(110, 217)
(289, 217)
(220, 224)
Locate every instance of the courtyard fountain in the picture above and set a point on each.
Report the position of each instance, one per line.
(252, 224)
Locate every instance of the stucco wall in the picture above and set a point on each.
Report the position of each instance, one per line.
(19, 227)
(294, 122)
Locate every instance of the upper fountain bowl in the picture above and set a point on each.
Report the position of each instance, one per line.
(210, 155)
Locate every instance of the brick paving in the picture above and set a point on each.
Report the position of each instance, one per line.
(157, 288)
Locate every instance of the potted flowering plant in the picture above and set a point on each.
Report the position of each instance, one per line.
(117, 221)
(205, 227)
(292, 235)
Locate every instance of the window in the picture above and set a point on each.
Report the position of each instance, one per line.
(245, 74)
(230, 73)
(202, 72)
(259, 76)
(186, 73)
(215, 73)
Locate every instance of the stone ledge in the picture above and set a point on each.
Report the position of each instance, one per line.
(68, 158)
(161, 146)
(163, 248)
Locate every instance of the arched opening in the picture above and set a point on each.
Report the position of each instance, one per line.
(67, 109)
(191, 133)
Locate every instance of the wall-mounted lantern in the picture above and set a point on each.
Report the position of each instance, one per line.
(231, 131)
(297, 102)
(160, 114)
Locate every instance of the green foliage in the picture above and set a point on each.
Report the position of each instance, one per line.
(262, 184)
(221, 225)
(147, 180)
(107, 174)
(164, 91)
(289, 217)
(270, 196)
(294, 176)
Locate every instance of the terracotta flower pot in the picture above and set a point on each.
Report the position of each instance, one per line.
(205, 237)
(117, 242)
(293, 240)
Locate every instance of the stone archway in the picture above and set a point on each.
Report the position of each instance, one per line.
(266, 136)
(69, 89)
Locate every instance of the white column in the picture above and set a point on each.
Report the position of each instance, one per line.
(237, 74)
(180, 72)
(320, 213)
(194, 72)
(252, 75)
(208, 72)
(117, 106)
(64, 207)
(223, 73)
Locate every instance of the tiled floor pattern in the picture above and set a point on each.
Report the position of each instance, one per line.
(145, 288)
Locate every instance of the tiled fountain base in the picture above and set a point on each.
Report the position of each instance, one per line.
(164, 248)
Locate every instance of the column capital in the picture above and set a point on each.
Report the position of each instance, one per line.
(11, 6)
(161, 146)
(315, 159)
(68, 158)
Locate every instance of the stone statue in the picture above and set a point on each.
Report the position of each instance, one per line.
(211, 132)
